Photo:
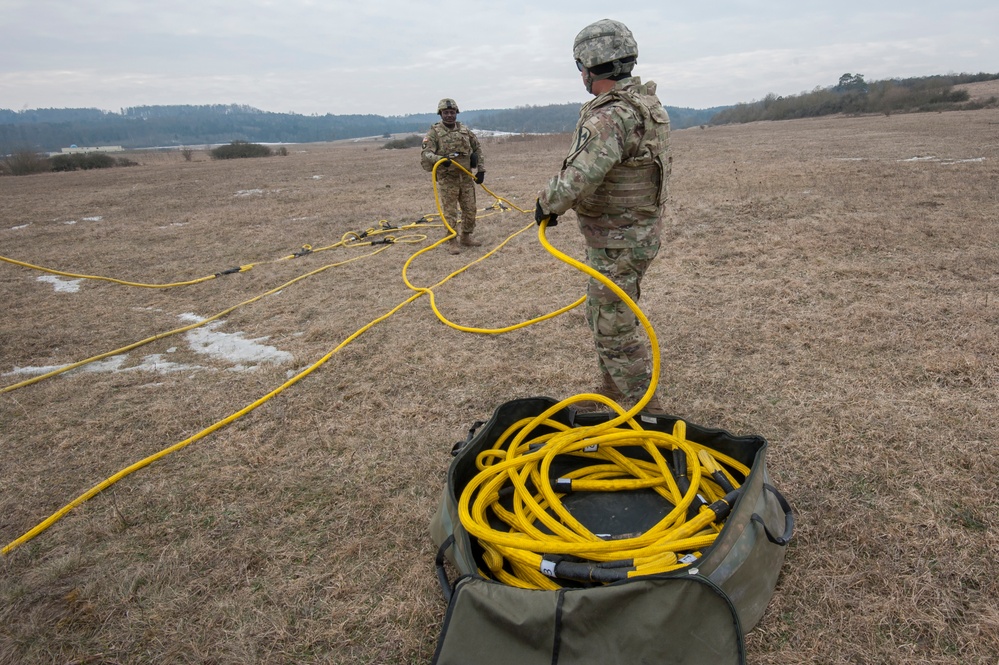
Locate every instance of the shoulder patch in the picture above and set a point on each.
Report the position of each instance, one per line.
(583, 137)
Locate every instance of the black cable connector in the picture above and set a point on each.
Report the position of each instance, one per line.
(383, 241)
(588, 572)
(230, 271)
(722, 507)
(723, 482)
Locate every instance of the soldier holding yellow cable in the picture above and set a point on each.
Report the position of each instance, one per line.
(453, 141)
(615, 178)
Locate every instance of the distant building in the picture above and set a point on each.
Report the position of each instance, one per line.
(74, 149)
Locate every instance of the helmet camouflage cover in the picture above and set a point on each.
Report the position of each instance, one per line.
(603, 42)
(447, 103)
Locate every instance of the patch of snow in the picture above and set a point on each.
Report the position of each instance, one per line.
(151, 363)
(93, 219)
(233, 347)
(33, 371)
(244, 354)
(156, 363)
(62, 285)
(18, 228)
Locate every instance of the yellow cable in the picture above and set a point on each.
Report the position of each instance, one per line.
(509, 547)
(182, 329)
(111, 279)
(111, 480)
(517, 551)
(452, 233)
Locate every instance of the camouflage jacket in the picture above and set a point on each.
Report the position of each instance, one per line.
(441, 141)
(621, 143)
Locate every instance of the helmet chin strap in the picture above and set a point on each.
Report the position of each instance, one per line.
(619, 68)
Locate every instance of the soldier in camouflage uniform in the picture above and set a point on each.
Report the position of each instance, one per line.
(451, 140)
(615, 178)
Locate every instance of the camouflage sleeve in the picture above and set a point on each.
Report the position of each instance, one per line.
(598, 145)
(428, 154)
(480, 159)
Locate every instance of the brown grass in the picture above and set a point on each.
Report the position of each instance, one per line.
(817, 287)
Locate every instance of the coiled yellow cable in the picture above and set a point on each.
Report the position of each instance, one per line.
(536, 541)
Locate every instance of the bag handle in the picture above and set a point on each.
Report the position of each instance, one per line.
(788, 519)
(471, 433)
(441, 572)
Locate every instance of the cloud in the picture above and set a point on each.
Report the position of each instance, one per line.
(395, 58)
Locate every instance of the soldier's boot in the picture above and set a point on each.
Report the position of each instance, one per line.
(452, 246)
(608, 389)
(466, 240)
(654, 407)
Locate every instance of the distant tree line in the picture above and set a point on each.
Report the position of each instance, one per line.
(853, 95)
(48, 130)
(153, 126)
(28, 162)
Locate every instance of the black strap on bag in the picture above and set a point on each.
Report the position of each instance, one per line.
(788, 518)
(441, 572)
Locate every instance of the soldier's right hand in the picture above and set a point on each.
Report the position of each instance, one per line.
(447, 163)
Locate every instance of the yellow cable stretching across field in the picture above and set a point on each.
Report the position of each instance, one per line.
(452, 233)
(649, 553)
(350, 239)
(135, 345)
(100, 487)
(108, 482)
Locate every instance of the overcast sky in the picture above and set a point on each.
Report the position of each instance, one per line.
(396, 57)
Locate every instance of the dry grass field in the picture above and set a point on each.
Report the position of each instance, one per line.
(830, 284)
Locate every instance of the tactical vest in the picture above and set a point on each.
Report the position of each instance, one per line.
(451, 141)
(641, 179)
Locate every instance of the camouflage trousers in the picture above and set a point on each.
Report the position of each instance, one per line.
(455, 191)
(622, 349)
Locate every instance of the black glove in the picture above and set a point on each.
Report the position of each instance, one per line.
(539, 215)
(479, 177)
(447, 163)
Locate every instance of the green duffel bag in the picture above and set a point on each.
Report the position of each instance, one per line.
(696, 614)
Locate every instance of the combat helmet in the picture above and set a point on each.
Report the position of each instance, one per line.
(447, 103)
(606, 42)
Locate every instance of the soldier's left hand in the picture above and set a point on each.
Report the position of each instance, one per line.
(480, 176)
(540, 216)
